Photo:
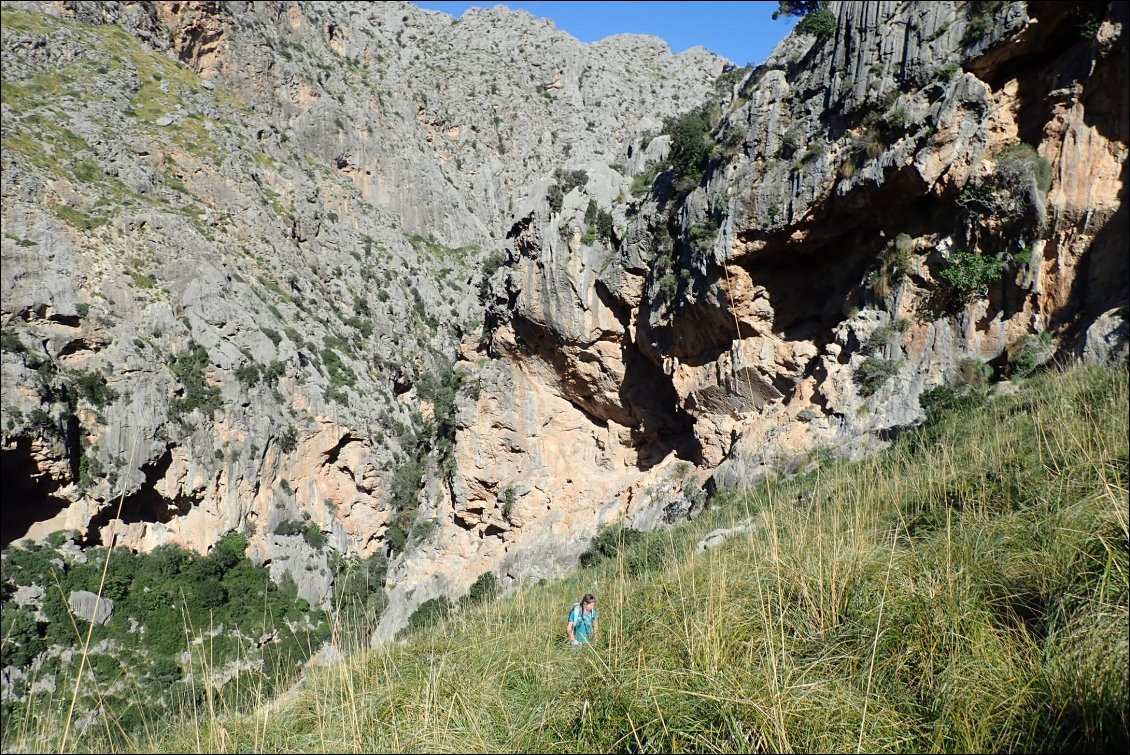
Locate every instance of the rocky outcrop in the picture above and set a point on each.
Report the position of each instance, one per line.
(882, 208)
(238, 236)
(808, 304)
(86, 605)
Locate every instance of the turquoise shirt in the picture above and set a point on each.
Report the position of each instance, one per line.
(582, 622)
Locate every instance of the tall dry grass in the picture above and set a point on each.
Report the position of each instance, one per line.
(964, 591)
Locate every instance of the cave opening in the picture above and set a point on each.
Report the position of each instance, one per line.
(146, 504)
(30, 495)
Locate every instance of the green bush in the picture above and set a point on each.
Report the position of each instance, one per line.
(506, 499)
(608, 541)
(357, 580)
(22, 638)
(1089, 23)
(690, 144)
(969, 271)
(884, 333)
(188, 366)
(272, 372)
(1027, 357)
(340, 373)
(980, 25)
(176, 596)
(668, 286)
(76, 219)
(1018, 163)
(485, 588)
(898, 119)
(287, 439)
(396, 535)
(423, 529)
(604, 228)
(942, 401)
(567, 180)
(289, 528)
(642, 182)
(492, 264)
(948, 71)
(10, 342)
(406, 481)
(314, 536)
(821, 23)
(640, 553)
(428, 613)
(703, 234)
(441, 386)
(40, 420)
(555, 197)
(249, 374)
(874, 373)
(89, 469)
(571, 179)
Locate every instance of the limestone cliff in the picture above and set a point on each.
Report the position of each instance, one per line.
(801, 297)
(244, 243)
(237, 236)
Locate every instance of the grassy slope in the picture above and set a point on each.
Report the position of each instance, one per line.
(965, 591)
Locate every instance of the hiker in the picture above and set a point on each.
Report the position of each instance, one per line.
(582, 621)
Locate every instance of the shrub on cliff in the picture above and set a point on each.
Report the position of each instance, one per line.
(815, 18)
(874, 373)
(969, 271)
(690, 145)
(821, 23)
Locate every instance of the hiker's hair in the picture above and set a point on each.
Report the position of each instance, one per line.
(589, 598)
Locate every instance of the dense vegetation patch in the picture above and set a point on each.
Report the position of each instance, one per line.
(185, 629)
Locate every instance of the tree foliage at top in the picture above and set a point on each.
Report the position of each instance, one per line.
(815, 18)
(799, 8)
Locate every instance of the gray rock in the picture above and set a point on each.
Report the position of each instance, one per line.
(308, 568)
(717, 537)
(86, 605)
(28, 595)
(1107, 339)
(327, 655)
(224, 238)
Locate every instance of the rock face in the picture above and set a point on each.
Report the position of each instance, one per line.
(237, 235)
(806, 304)
(87, 605)
(230, 306)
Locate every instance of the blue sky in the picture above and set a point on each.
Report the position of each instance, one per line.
(744, 32)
